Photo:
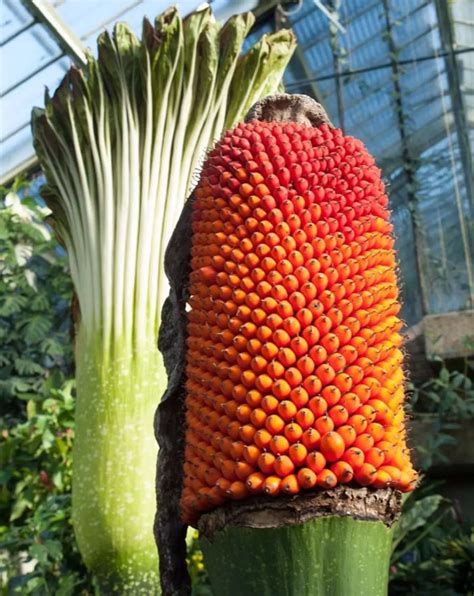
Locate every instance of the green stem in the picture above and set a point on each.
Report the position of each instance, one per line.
(114, 464)
(333, 555)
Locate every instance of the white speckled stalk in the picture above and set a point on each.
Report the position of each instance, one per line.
(326, 556)
(114, 465)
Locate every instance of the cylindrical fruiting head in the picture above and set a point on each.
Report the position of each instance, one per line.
(294, 369)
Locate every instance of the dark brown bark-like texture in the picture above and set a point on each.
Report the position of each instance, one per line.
(289, 108)
(267, 512)
(170, 532)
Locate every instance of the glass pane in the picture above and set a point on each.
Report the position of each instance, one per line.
(25, 55)
(13, 18)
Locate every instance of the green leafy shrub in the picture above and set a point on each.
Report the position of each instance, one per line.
(433, 551)
(35, 298)
(38, 553)
(449, 395)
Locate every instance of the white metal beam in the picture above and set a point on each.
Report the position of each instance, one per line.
(62, 34)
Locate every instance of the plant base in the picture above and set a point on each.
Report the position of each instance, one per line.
(333, 543)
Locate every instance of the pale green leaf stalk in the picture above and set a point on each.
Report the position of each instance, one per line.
(120, 142)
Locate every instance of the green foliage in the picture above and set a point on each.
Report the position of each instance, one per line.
(450, 395)
(35, 297)
(38, 553)
(433, 551)
(449, 398)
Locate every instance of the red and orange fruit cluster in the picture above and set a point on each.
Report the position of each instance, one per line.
(294, 369)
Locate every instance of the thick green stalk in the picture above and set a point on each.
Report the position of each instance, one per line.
(326, 556)
(112, 453)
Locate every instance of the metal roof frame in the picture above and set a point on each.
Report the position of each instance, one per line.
(45, 14)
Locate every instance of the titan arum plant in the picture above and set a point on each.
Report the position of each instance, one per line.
(285, 406)
(120, 142)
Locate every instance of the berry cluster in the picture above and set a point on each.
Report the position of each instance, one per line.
(294, 369)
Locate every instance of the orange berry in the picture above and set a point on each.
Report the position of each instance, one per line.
(270, 404)
(330, 343)
(305, 317)
(237, 490)
(394, 473)
(272, 485)
(223, 485)
(368, 412)
(266, 462)
(358, 423)
(318, 354)
(363, 392)
(365, 475)
(343, 471)
(281, 338)
(324, 324)
(283, 466)
(279, 445)
(331, 394)
(243, 413)
(299, 397)
(332, 446)
(375, 457)
(247, 433)
(284, 309)
(258, 417)
(324, 424)
(348, 434)
(318, 406)
(289, 485)
(286, 356)
(263, 383)
(275, 370)
(293, 432)
(325, 373)
(364, 442)
(262, 438)
(236, 450)
(312, 385)
(354, 457)
(305, 365)
(264, 333)
(254, 346)
(327, 479)
(306, 478)
(274, 424)
(293, 377)
(310, 438)
(311, 335)
(281, 389)
(305, 418)
(243, 469)
(255, 482)
(381, 479)
(339, 415)
(269, 351)
(297, 453)
(251, 454)
(316, 461)
(356, 373)
(343, 382)
(350, 401)
(291, 324)
(299, 346)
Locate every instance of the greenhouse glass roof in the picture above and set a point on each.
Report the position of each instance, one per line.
(34, 57)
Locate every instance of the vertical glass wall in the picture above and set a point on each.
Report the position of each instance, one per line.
(399, 75)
